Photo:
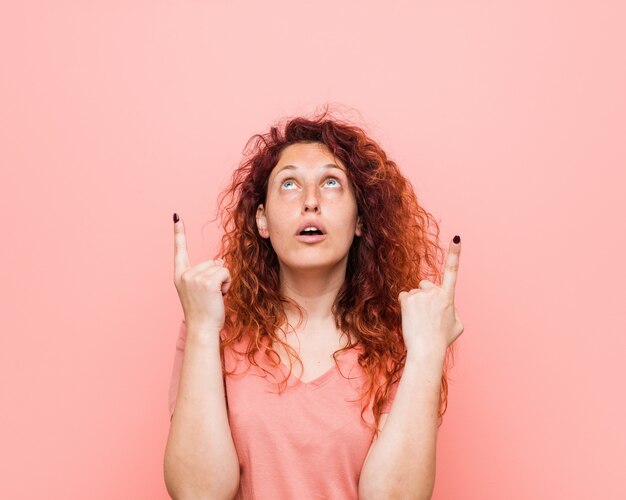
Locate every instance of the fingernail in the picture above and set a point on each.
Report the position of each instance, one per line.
(457, 239)
(175, 218)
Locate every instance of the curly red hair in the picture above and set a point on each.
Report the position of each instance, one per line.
(399, 247)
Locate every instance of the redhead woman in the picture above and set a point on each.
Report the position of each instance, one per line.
(311, 359)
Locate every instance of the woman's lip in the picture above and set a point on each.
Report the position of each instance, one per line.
(311, 238)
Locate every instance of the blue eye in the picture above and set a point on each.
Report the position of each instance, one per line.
(287, 184)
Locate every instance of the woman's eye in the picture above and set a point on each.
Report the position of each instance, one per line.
(290, 184)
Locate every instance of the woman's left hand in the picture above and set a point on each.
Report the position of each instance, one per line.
(430, 322)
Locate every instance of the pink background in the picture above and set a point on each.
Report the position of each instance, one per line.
(509, 118)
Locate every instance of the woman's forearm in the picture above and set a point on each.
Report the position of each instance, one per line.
(200, 457)
(402, 460)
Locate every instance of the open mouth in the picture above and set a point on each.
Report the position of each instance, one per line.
(311, 235)
(310, 232)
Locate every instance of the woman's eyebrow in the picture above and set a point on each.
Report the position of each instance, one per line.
(294, 167)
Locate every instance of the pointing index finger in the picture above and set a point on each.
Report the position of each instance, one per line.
(452, 266)
(181, 256)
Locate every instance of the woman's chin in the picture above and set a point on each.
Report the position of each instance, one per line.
(309, 263)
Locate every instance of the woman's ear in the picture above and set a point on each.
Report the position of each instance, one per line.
(359, 226)
(261, 221)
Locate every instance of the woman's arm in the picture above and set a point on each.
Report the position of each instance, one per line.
(401, 462)
(200, 457)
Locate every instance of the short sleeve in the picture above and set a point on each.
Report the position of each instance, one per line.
(390, 398)
(177, 366)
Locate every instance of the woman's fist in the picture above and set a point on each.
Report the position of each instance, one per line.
(200, 288)
(430, 322)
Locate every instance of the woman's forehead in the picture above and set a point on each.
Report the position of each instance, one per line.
(307, 156)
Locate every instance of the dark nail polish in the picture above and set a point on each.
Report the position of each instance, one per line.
(457, 239)
(176, 219)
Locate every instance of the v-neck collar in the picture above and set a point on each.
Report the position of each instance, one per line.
(322, 379)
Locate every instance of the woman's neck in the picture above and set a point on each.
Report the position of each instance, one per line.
(315, 291)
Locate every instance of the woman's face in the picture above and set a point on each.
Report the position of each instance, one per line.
(309, 187)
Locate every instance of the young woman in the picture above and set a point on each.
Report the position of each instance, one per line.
(329, 263)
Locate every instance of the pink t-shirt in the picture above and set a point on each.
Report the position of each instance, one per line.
(308, 442)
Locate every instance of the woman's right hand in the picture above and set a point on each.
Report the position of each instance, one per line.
(200, 288)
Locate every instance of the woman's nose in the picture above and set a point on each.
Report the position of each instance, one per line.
(311, 201)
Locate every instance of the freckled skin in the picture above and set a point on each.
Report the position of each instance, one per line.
(314, 191)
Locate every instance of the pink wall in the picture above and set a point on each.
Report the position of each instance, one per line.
(509, 117)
